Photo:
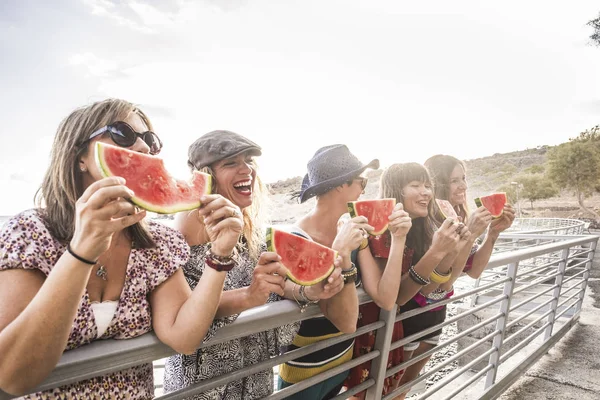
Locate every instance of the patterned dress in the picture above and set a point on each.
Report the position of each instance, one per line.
(26, 243)
(368, 313)
(221, 359)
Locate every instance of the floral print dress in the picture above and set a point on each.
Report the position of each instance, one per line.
(26, 243)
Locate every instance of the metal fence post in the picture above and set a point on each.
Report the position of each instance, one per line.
(586, 274)
(562, 265)
(509, 286)
(383, 341)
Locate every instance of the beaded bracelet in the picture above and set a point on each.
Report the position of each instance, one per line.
(219, 263)
(436, 277)
(417, 278)
(350, 275)
(78, 257)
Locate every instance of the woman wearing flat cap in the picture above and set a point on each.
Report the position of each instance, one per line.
(334, 177)
(257, 278)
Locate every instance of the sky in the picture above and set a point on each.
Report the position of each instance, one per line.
(393, 79)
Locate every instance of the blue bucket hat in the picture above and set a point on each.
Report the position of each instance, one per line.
(330, 167)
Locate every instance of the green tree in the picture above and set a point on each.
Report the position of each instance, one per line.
(575, 165)
(536, 187)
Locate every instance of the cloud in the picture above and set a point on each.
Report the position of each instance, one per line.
(110, 10)
(95, 65)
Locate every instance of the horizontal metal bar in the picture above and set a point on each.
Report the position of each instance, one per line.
(455, 357)
(356, 389)
(469, 381)
(270, 363)
(410, 384)
(313, 380)
(418, 335)
(567, 289)
(530, 299)
(439, 346)
(538, 268)
(528, 313)
(533, 283)
(494, 391)
(526, 327)
(567, 308)
(524, 342)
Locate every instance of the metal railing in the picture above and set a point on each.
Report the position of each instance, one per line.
(559, 226)
(531, 300)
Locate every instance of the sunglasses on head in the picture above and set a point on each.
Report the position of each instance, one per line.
(125, 136)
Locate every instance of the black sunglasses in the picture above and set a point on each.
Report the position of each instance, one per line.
(123, 135)
(362, 181)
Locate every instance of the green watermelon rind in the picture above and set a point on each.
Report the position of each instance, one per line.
(478, 203)
(439, 206)
(352, 211)
(172, 209)
(271, 247)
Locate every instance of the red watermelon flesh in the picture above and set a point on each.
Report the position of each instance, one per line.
(308, 262)
(494, 203)
(154, 188)
(377, 212)
(446, 209)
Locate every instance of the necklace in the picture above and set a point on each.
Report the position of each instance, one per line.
(102, 273)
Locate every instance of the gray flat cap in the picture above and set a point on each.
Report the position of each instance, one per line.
(218, 145)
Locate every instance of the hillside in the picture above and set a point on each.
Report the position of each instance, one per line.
(485, 175)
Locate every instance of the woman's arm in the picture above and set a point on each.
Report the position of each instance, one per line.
(381, 279)
(37, 312)
(181, 317)
(444, 242)
(483, 254)
(31, 304)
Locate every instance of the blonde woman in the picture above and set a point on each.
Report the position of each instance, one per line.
(258, 277)
(86, 265)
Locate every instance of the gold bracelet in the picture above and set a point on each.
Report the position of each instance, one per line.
(436, 277)
(364, 244)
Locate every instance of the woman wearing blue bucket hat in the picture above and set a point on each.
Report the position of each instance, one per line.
(334, 177)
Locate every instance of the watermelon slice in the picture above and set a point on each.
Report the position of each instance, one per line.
(446, 209)
(494, 203)
(308, 262)
(155, 189)
(377, 212)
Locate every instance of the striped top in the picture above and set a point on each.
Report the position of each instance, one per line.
(312, 331)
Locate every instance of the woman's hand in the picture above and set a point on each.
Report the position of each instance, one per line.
(328, 287)
(479, 221)
(463, 236)
(400, 222)
(268, 277)
(350, 235)
(223, 221)
(504, 221)
(445, 238)
(102, 210)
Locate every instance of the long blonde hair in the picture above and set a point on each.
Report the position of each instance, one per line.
(255, 216)
(392, 181)
(63, 182)
(440, 168)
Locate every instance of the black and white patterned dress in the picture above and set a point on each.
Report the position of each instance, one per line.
(220, 359)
